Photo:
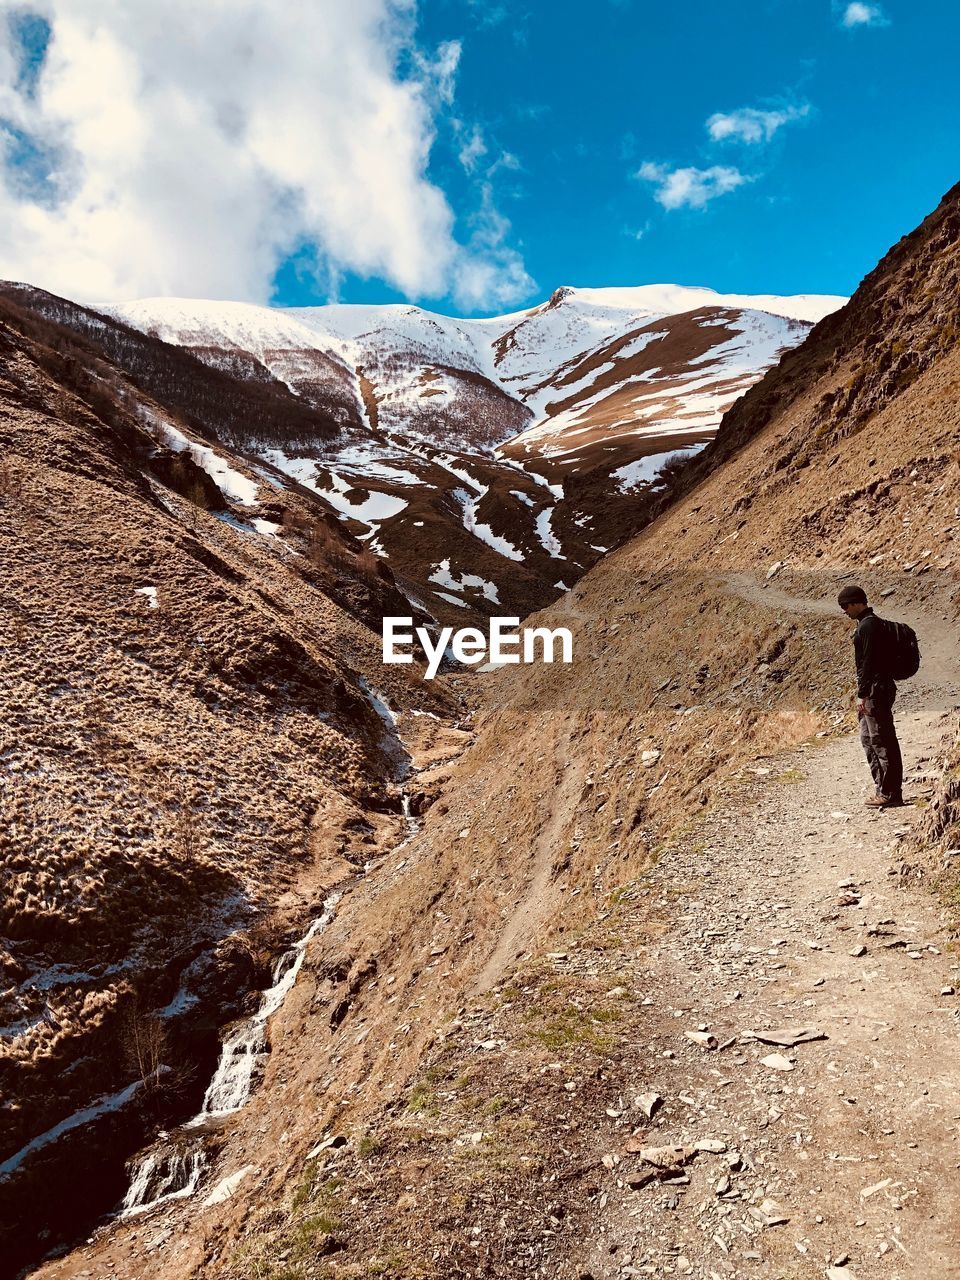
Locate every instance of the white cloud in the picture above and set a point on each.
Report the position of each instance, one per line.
(689, 187)
(440, 73)
(505, 160)
(487, 14)
(748, 124)
(472, 146)
(189, 148)
(859, 14)
(491, 274)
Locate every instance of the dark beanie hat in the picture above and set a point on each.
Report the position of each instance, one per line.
(852, 595)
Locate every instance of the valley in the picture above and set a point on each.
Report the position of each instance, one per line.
(488, 462)
(624, 980)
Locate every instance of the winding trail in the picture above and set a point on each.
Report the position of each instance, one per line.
(937, 683)
(789, 907)
(520, 927)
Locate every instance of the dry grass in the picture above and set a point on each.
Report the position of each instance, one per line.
(160, 769)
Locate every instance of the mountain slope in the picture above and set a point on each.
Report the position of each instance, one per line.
(190, 745)
(479, 1038)
(459, 509)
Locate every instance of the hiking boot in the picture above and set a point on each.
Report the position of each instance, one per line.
(884, 802)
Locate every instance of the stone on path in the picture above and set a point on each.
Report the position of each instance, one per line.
(666, 1157)
(867, 1192)
(648, 1103)
(777, 1062)
(703, 1038)
(787, 1036)
(768, 1214)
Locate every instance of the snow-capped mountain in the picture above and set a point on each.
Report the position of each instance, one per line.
(402, 368)
(493, 460)
(489, 461)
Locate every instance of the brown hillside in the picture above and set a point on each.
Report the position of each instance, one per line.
(186, 748)
(903, 319)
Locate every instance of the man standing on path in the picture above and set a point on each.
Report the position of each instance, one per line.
(876, 692)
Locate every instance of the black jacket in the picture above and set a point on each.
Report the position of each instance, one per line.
(871, 645)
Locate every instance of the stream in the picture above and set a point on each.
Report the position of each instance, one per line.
(41, 1175)
(172, 1167)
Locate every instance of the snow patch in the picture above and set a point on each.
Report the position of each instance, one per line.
(225, 1189)
(391, 743)
(234, 486)
(112, 1102)
(469, 503)
(646, 470)
(445, 595)
(375, 507)
(548, 538)
(445, 578)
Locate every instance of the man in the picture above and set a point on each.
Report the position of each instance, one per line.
(876, 692)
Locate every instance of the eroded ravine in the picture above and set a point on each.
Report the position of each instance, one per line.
(181, 1160)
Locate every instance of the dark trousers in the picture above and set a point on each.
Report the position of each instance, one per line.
(878, 735)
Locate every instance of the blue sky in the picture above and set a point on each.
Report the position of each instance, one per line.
(470, 155)
(582, 96)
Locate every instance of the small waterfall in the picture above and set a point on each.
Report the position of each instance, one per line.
(411, 826)
(411, 823)
(173, 1167)
(391, 742)
(244, 1053)
(164, 1173)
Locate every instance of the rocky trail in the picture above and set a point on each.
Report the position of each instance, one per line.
(813, 1054)
(520, 927)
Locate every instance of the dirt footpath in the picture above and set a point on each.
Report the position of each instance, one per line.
(834, 1156)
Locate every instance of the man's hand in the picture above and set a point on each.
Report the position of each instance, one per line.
(864, 707)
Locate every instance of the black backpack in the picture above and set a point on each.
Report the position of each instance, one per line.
(904, 650)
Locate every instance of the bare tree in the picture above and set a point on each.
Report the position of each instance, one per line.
(187, 829)
(144, 1043)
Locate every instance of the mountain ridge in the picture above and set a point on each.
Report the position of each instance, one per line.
(488, 462)
(171, 317)
(556, 420)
